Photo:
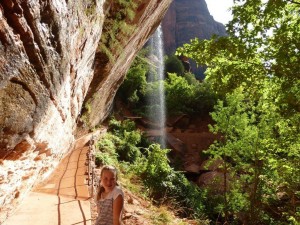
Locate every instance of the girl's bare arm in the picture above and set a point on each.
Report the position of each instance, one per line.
(117, 209)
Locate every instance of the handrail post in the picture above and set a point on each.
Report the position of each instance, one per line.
(89, 166)
(91, 146)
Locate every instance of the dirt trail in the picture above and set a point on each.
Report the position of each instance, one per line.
(64, 197)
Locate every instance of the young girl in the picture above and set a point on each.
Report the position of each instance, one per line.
(110, 198)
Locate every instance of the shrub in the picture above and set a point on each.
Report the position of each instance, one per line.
(174, 65)
(127, 148)
(134, 86)
(104, 158)
(188, 95)
(164, 182)
(141, 158)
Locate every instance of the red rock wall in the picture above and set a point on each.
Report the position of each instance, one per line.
(109, 75)
(186, 20)
(47, 67)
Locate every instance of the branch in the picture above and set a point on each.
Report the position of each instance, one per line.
(291, 1)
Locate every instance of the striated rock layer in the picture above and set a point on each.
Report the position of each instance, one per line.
(186, 20)
(109, 74)
(49, 68)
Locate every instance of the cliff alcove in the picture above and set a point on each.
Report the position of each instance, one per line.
(50, 69)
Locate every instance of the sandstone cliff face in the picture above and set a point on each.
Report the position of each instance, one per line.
(110, 74)
(48, 69)
(186, 20)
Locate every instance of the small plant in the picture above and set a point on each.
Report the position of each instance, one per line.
(117, 23)
(90, 9)
(104, 159)
(86, 114)
(162, 216)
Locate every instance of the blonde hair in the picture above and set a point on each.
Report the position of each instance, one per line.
(106, 168)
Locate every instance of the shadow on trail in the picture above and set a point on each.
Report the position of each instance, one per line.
(70, 164)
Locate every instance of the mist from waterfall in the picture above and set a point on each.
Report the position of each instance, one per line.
(157, 101)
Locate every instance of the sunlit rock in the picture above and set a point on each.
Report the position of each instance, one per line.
(49, 69)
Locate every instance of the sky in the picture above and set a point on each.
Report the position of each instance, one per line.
(219, 9)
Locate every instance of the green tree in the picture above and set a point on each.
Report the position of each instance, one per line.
(249, 151)
(184, 95)
(178, 93)
(257, 66)
(263, 43)
(133, 89)
(134, 86)
(174, 65)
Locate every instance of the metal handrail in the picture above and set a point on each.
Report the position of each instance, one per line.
(91, 164)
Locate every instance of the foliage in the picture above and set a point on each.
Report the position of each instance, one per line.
(184, 94)
(183, 97)
(117, 26)
(190, 78)
(165, 183)
(257, 67)
(157, 171)
(104, 159)
(106, 154)
(178, 93)
(118, 127)
(134, 86)
(174, 65)
(126, 140)
(149, 165)
(254, 50)
(253, 152)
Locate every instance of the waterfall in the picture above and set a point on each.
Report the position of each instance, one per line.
(157, 100)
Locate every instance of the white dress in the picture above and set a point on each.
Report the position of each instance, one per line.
(105, 207)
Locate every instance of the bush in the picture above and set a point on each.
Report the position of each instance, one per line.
(157, 171)
(164, 182)
(133, 88)
(127, 148)
(124, 142)
(151, 164)
(178, 94)
(174, 65)
(104, 159)
(187, 95)
(118, 127)
(191, 79)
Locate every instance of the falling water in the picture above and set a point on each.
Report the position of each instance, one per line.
(158, 112)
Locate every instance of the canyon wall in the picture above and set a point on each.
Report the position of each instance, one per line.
(50, 67)
(110, 72)
(186, 20)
